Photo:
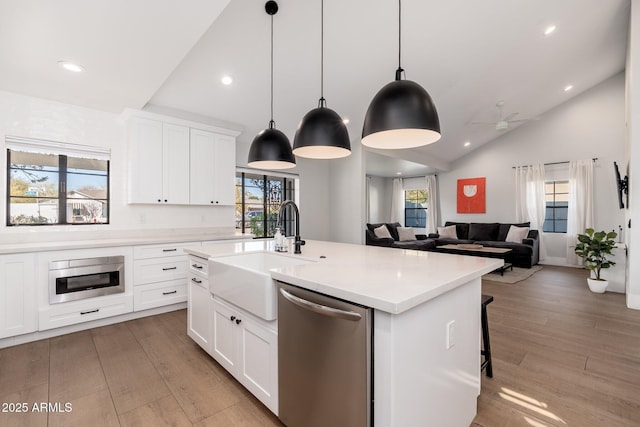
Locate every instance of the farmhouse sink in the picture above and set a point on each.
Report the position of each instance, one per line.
(245, 280)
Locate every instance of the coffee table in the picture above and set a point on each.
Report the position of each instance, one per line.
(484, 251)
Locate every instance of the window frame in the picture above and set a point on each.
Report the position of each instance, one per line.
(554, 208)
(288, 220)
(415, 209)
(64, 152)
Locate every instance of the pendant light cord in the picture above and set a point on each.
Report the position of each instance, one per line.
(399, 71)
(322, 102)
(271, 122)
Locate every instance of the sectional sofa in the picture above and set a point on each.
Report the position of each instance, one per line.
(524, 254)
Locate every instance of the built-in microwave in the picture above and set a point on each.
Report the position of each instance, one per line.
(76, 279)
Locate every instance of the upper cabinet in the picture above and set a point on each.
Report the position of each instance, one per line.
(177, 163)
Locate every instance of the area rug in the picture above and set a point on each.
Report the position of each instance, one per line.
(514, 276)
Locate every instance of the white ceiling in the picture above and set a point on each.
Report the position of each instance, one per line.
(467, 54)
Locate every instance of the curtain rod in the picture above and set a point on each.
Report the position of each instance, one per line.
(552, 163)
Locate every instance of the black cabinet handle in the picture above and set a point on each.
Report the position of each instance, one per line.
(169, 293)
(193, 279)
(159, 201)
(238, 321)
(233, 318)
(90, 311)
(199, 267)
(169, 268)
(165, 200)
(169, 250)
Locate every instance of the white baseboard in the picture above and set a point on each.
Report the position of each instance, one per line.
(633, 301)
(557, 261)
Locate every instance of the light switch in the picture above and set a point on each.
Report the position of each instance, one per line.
(451, 334)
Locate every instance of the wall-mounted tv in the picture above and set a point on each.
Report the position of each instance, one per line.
(623, 187)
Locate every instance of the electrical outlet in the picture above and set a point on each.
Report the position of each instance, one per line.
(451, 334)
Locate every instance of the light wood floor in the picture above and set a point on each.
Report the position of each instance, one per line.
(562, 357)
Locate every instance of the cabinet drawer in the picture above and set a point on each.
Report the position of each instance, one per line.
(159, 269)
(198, 265)
(159, 294)
(164, 250)
(70, 313)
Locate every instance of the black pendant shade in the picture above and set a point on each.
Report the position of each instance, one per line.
(401, 115)
(322, 134)
(271, 149)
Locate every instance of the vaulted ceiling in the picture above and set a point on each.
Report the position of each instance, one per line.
(467, 54)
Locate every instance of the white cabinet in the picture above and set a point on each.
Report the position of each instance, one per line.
(172, 162)
(160, 275)
(247, 347)
(18, 310)
(212, 168)
(199, 303)
(159, 157)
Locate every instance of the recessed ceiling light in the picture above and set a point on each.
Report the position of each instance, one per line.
(567, 88)
(70, 66)
(550, 29)
(226, 80)
(467, 143)
(345, 121)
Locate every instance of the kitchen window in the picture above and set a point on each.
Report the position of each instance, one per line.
(415, 208)
(557, 206)
(258, 200)
(50, 183)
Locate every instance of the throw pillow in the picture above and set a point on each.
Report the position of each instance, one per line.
(517, 234)
(448, 232)
(406, 234)
(382, 232)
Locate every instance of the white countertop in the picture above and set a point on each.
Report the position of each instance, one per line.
(387, 279)
(121, 240)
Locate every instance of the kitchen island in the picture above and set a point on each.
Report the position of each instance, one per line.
(426, 327)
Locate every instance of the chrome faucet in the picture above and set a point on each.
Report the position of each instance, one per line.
(298, 241)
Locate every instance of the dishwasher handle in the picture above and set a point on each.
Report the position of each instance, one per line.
(319, 308)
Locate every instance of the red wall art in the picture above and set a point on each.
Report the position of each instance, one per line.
(471, 195)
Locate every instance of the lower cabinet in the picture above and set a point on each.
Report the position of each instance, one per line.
(18, 313)
(198, 307)
(247, 347)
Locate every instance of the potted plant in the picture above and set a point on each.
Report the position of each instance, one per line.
(594, 247)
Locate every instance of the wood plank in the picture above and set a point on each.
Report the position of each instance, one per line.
(24, 366)
(94, 409)
(245, 413)
(162, 412)
(32, 395)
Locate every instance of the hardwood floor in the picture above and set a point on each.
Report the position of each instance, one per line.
(562, 356)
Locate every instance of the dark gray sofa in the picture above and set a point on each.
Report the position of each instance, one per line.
(421, 243)
(525, 254)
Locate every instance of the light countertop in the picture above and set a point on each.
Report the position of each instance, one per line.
(391, 280)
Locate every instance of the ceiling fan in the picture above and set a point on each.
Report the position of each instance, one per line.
(503, 121)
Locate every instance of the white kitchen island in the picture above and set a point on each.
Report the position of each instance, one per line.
(426, 321)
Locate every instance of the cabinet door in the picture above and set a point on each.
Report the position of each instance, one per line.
(18, 313)
(224, 345)
(175, 184)
(258, 365)
(145, 167)
(225, 170)
(198, 308)
(203, 164)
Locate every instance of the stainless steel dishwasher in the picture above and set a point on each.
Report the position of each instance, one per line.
(324, 360)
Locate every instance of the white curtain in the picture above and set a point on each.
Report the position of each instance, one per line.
(530, 200)
(432, 204)
(580, 213)
(397, 201)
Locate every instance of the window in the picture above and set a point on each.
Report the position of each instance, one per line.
(258, 199)
(54, 188)
(415, 208)
(557, 206)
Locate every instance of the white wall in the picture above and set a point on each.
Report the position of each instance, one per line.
(380, 190)
(589, 125)
(42, 119)
(632, 147)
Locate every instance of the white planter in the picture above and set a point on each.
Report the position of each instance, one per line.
(597, 286)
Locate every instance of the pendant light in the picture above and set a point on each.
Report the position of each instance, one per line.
(402, 114)
(322, 134)
(271, 149)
